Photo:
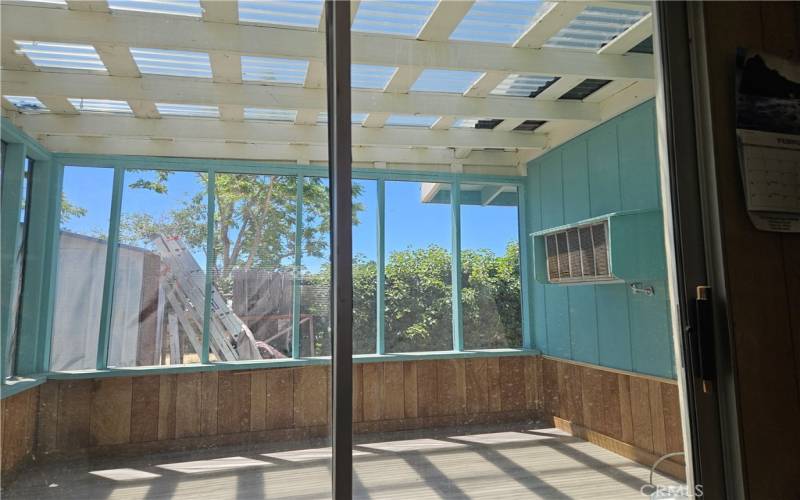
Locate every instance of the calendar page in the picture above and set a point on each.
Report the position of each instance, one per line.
(768, 132)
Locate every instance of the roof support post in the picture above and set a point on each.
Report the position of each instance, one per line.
(210, 263)
(455, 262)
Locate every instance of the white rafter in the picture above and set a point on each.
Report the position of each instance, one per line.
(88, 5)
(444, 19)
(218, 11)
(559, 88)
(270, 132)
(630, 38)
(550, 22)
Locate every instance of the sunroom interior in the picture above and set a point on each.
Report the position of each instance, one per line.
(166, 251)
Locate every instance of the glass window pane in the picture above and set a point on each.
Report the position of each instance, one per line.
(159, 285)
(85, 212)
(254, 246)
(315, 269)
(490, 286)
(365, 255)
(19, 267)
(418, 273)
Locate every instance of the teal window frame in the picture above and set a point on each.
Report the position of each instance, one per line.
(34, 346)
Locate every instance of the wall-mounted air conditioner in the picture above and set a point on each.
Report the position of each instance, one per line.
(613, 248)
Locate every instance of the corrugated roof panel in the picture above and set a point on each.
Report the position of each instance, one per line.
(522, 85)
(274, 70)
(477, 123)
(26, 104)
(595, 27)
(61, 55)
(497, 21)
(171, 7)
(172, 62)
(444, 80)
(303, 13)
(194, 110)
(100, 106)
(365, 76)
(404, 18)
(584, 89)
(411, 120)
(277, 115)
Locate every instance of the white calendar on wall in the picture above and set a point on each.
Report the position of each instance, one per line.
(768, 134)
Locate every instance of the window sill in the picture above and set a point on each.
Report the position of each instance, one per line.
(287, 363)
(16, 385)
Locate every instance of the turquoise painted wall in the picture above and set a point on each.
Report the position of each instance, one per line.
(611, 168)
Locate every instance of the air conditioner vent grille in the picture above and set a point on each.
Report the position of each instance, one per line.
(578, 254)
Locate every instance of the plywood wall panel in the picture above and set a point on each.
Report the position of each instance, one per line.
(74, 413)
(258, 400)
(477, 385)
(233, 410)
(166, 407)
(393, 391)
(111, 411)
(280, 398)
(144, 408)
(410, 388)
(188, 405)
(373, 391)
(209, 398)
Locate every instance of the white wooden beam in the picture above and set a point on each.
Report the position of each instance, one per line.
(306, 117)
(444, 123)
(231, 113)
(117, 59)
(226, 68)
(550, 22)
(58, 105)
(486, 83)
(444, 19)
(220, 11)
(402, 79)
(270, 132)
(315, 76)
(508, 124)
(88, 5)
(559, 88)
(630, 38)
(198, 91)
(172, 32)
(144, 109)
(375, 120)
(367, 156)
(11, 59)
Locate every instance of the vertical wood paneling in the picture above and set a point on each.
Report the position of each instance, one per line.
(358, 393)
(550, 387)
(493, 383)
(47, 438)
(512, 384)
(233, 411)
(258, 400)
(592, 399)
(657, 417)
(477, 385)
(672, 418)
(209, 394)
(583, 323)
(556, 304)
(311, 396)
(451, 387)
(166, 407)
(373, 391)
(280, 398)
(426, 389)
(393, 391)
(74, 413)
(613, 329)
(625, 410)
(410, 388)
(604, 191)
(638, 164)
(188, 404)
(640, 413)
(533, 380)
(612, 417)
(144, 408)
(111, 411)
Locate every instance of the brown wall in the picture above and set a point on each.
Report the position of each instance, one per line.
(19, 429)
(635, 416)
(762, 269)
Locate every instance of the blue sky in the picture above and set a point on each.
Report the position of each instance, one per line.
(409, 222)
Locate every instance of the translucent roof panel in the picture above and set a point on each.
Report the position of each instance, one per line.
(404, 18)
(172, 62)
(443, 80)
(517, 85)
(26, 104)
(274, 70)
(61, 55)
(275, 115)
(411, 120)
(357, 118)
(187, 110)
(365, 76)
(595, 27)
(172, 7)
(100, 106)
(497, 21)
(304, 13)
